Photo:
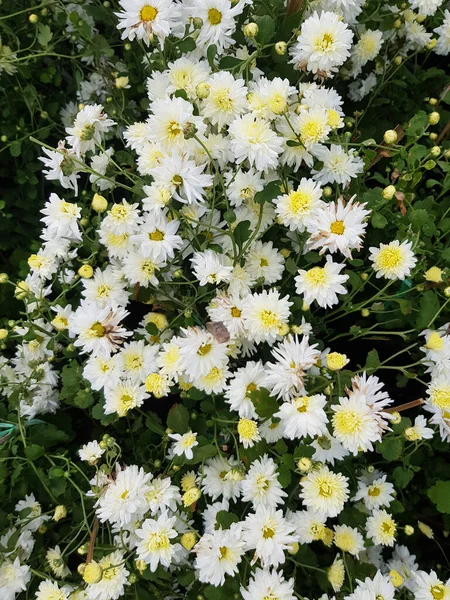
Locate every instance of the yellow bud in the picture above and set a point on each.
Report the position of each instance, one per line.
(202, 90)
(431, 44)
(251, 30)
(188, 481)
(434, 274)
(435, 151)
(3, 334)
(434, 118)
(447, 292)
(304, 464)
(305, 307)
(336, 361)
(188, 540)
(434, 342)
(433, 136)
(191, 496)
(395, 418)
(281, 48)
(409, 530)
(396, 579)
(397, 24)
(398, 61)
(327, 191)
(411, 434)
(99, 203)
(81, 568)
(327, 536)
(33, 18)
(293, 548)
(285, 252)
(86, 271)
(122, 82)
(3, 278)
(390, 136)
(93, 573)
(22, 290)
(364, 276)
(141, 565)
(283, 329)
(389, 192)
(365, 312)
(60, 512)
(157, 319)
(82, 550)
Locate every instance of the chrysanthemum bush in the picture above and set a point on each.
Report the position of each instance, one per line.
(231, 373)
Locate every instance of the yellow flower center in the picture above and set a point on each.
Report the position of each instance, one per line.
(388, 527)
(119, 212)
(214, 16)
(103, 291)
(247, 429)
(441, 398)
(157, 541)
(347, 422)
(301, 404)
(337, 227)
(148, 13)
(262, 482)
(389, 258)
(250, 388)
(316, 276)
(299, 202)
(156, 236)
(148, 268)
(133, 362)
(225, 553)
(268, 318)
(204, 349)
(325, 489)
(177, 180)
(235, 312)
(174, 129)
(263, 262)
(325, 42)
(222, 100)
(268, 532)
(437, 591)
(97, 330)
(373, 491)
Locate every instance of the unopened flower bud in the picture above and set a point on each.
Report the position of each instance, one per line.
(197, 22)
(408, 529)
(281, 48)
(82, 550)
(435, 151)
(398, 61)
(388, 192)
(188, 540)
(60, 512)
(433, 136)
(251, 30)
(434, 274)
(305, 307)
(431, 44)
(396, 579)
(434, 118)
(86, 271)
(390, 136)
(189, 130)
(365, 312)
(141, 565)
(202, 90)
(432, 101)
(293, 548)
(327, 191)
(397, 24)
(395, 418)
(336, 361)
(191, 496)
(33, 18)
(42, 529)
(3, 334)
(122, 82)
(22, 290)
(93, 573)
(447, 292)
(285, 252)
(425, 529)
(304, 464)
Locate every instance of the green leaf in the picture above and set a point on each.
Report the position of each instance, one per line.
(429, 306)
(372, 361)
(16, 148)
(34, 451)
(440, 495)
(187, 45)
(417, 124)
(265, 405)
(268, 193)
(44, 34)
(227, 63)
(211, 55)
(378, 221)
(291, 266)
(402, 476)
(225, 519)
(266, 29)
(201, 453)
(390, 448)
(153, 423)
(242, 233)
(178, 418)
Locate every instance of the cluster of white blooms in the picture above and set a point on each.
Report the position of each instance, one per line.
(235, 215)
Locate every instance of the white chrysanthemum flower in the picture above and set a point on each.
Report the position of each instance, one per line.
(56, 562)
(91, 452)
(296, 207)
(157, 237)
(428, 586)
(14, 578)
(269, 534)
(200, 352)
(270, 98)
(338, 165)
(324, 491)
(49, 590)
(169, 122)
(106, 289)
(378, 587)
(355, 425)
(146, 19)
(427, 8)
(313, 126)
(211, 267)
(137, 360)
(61, 166)
(303, 416)
(394, 260)
(261, 485)
(404, 563)
(100, 371)
(265, 315)
(97, 329)
(34, 518)
(309, 525)
(89, 127)
(439, 393)
(375, 493)
(245, 380)
(218, 554)
(294, 154)
(141, 269)
(242, 185)
(226, 99)
(443, 31)
(222, 477)
(417, 37)
(136, 135)
(254, 140)
(348, 539)
(321, 284)
(121, 218)
(218, 21)
(285, 377)
(61, 218)
(328, 449)
(266, 584)
(323, 44)
(183, 443)
(150, 156)
(155, 545)
(183, 177)
(419, 431)
(114, 578)
(263, 261)
(367, 48)
(124, 498)
(186, 74)
(123, 397)
(336, 227)
(382, 528)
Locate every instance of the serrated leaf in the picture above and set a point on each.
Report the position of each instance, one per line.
(225, 519)
(44, 34)
(390, 448)
(440, 495)
(265, 405)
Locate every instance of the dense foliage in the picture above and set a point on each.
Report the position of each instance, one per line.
(225, 365)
